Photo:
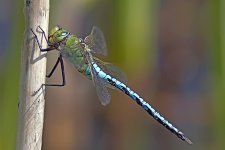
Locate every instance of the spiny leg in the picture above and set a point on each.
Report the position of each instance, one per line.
(39, 44)
(43, 32)
(59, 60)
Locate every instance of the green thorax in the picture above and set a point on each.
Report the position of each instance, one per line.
(73, 50)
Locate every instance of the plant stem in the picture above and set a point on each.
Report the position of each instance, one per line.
(33, 71)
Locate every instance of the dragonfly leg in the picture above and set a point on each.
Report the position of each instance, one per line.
(59, 60)
(43, 32)
(39, 44)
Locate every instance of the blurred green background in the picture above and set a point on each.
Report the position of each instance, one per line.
(173, 52)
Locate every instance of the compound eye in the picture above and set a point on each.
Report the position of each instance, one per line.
(65, 33)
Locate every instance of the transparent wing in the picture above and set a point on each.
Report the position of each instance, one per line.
(102, 92)
(99, 83)
(101, 89)
(111, 70)
(96, 41)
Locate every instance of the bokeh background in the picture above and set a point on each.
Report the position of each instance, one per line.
(173, 53)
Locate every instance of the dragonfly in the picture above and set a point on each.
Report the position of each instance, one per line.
(80, 53)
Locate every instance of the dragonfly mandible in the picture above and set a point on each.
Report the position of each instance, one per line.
(104, 75)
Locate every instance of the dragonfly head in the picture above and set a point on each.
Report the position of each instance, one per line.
(57, 35)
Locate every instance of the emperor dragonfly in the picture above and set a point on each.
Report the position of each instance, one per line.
(104, 75)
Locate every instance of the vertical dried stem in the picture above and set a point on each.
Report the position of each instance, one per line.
(33, 71)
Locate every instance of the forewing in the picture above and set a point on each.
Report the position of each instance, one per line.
(96, 41)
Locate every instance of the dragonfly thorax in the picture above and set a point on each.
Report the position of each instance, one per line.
(57, 35)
